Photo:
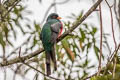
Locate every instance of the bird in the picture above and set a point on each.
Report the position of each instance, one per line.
(50, 32)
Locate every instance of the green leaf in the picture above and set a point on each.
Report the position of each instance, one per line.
(89, 46)
(80, 15)
(96, 49)
(94, 30)
(70, 53)
(34, 40)
(82, 35)
(37, 27)
(2, 42)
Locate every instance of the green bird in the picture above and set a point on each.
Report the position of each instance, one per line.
(51, 30)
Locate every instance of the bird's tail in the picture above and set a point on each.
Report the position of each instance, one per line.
(53, 57)
(48, 69)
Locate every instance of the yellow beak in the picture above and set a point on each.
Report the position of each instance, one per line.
(59, 18)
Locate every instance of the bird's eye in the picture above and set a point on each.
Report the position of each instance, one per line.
(54, 17)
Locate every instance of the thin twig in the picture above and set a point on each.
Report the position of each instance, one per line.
(118, 19)
(112, 24)
(16, 72)
(103, 32)
(33, 67)
(5, 74)
(14, 51)
(55, 7)
(114, 53)
(101, 26)
(39, 71)
(114, 67)
(19, 52)
(109, 61)
(4, 54)
(50, 7)
(112, 56)
(119, 15)
(71, 69)
(14, 4)
(63, 2)
(90, 76)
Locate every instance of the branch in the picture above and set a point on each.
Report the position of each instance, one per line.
(112, 24)
(101, 32)
(114, 67)
(75, 25)
(115, 11)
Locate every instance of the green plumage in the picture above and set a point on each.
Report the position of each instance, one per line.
(49, 35)
(46, 33)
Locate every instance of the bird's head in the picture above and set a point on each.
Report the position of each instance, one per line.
(53, 16)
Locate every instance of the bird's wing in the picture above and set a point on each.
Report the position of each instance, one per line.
(56, 27)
